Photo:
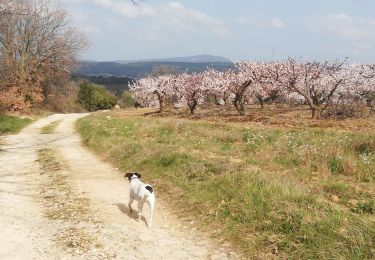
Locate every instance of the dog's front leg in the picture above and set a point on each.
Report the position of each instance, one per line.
(130, 204)
(140, 207)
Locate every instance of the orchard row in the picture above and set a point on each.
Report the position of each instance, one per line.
(321, 85)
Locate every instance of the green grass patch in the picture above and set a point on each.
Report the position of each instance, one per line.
(49, 129)
(12, 124)
(339, 189)
(335, 165)
(232, 179)
(366, 206)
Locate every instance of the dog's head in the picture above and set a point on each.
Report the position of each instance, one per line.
(130, 175)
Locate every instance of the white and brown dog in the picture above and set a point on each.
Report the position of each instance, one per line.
(142, 193)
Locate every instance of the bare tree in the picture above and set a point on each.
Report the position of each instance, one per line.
(37, 47)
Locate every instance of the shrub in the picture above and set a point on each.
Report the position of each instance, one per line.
(95, 97)
(126, 99)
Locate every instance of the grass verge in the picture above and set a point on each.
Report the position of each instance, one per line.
(284, 193)
(12, 124)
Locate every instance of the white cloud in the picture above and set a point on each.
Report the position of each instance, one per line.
(182, 18)
(70, 1)
(163, 18)
(277, 23)
(126, 8)
(356, 48)
(255, 19)
(357, 35)
(90, 29)
(345, 26)
(260, 20)
(83, 22)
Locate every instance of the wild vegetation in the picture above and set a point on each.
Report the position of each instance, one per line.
(290, 188)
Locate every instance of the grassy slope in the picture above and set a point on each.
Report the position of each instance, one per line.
(11, 124)
(304, 193)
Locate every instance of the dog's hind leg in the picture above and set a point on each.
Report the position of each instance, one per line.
(130, 204)
(140, 207)
(151, 204)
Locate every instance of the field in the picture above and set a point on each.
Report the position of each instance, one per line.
(12, 124)
(273, 183)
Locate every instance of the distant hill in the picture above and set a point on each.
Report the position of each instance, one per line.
(204, 58)
(137, 70)
(116, 75)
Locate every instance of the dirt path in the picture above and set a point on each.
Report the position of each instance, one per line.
(60, 202)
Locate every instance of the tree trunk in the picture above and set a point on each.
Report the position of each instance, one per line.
(261, 101)
(239, 100)
(316, 113)
(225, 99)
(369, 102)
(239, 105)
(192, 105)
(161, 105)
(217, 103)
(242, 109)
(161, 101)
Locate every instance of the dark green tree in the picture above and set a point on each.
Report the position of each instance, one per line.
(95, 97)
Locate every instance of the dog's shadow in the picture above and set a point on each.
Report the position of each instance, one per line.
(134, 214)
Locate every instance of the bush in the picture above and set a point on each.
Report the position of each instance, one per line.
(126, 100)
(95, 97)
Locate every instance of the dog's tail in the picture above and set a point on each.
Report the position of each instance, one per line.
(149, 188)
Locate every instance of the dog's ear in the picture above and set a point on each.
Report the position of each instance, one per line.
(128, 175)
(138, 175)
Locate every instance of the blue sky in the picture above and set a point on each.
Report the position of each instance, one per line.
(237, 29)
